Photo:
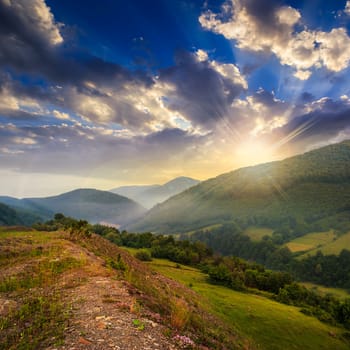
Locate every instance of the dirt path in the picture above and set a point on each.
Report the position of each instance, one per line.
(104, 314)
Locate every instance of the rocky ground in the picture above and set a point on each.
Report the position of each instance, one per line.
(102, 312)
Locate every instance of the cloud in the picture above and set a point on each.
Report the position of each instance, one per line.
(259, 113)
(194, 93)
(28, 34)
(270, 28)
(203, 90)
(15, 104)
(31, 43)
(61, 115)
(61, 148)
(347, 8)
(18, 17)
(318, 122)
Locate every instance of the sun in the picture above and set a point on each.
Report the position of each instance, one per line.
(253, 151)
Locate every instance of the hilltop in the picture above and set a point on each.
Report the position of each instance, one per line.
(60, 290)
(150, 195)
(74, 289)
(306, 192)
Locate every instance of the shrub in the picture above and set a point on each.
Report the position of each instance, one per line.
(143, 255)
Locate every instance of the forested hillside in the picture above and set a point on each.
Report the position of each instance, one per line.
(304, 193)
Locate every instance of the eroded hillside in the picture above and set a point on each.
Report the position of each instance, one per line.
(72, 291)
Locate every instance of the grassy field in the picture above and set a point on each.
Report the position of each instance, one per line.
(314, 240)
(31, 265)
(337, 292)
(270, 325)
(257, 233)
(333, 247)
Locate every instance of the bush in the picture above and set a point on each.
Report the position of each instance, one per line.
(143, 255)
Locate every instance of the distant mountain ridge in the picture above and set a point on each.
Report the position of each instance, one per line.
(303, 189)
(89, 204)
(8, 216)
(150, 195)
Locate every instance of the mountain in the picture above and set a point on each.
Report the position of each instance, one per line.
(27, 207)
(150, 195)
(134, 192)
(307, 190)
(88, 204)
(16, 216)
(8, 216)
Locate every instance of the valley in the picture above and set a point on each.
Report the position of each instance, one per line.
(174, 175)
(270, 325)
(257, 252)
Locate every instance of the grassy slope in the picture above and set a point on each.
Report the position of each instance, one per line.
(311, 241)
(31, 265)
(257, 233)
(316, 184)
(337, 292)
(33, 277)
(242, 320)
(332, 247)
(269, 324)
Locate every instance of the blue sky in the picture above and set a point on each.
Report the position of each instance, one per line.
(108, 93)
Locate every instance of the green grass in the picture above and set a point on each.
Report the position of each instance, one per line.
(39, 321)
(332, 247)
(35, 236)
(337, 292)
(257, 233)
(270, 325)
(311, 241)
(41, 315)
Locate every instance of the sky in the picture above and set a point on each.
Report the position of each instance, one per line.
(107, 93)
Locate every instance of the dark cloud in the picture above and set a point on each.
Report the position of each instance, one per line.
(170, 136)
(306, 97)
(32, 44)
(60, 75)
(269, 100)
(265, 97)
(263, 11)
(72, 149)
(202, 94)
(327, 120)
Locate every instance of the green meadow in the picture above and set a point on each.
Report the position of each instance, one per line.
(268, 324)
(257, 233)
(314, 240)
(336, 292)
(334, 246)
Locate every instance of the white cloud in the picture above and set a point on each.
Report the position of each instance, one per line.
(347, 8)
(10, 103)
(24, 141)
(36, 12)
(226, 70)
(302, 74)
(61, 115)
(229, 71)
(243, 28)
(303, 50)
(260, 113)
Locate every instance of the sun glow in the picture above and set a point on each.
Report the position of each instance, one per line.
(251, 152)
